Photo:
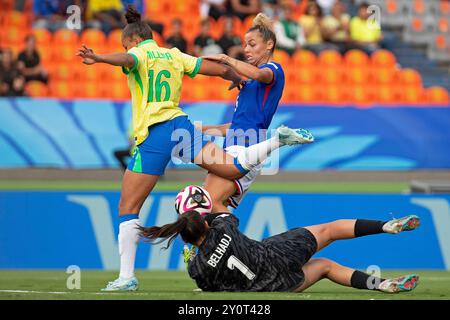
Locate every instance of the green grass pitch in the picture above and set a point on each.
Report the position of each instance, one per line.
(176, 285)
(328, 187)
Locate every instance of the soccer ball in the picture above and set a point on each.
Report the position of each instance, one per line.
(193, 198)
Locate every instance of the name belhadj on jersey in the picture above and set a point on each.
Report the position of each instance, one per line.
(220, 250)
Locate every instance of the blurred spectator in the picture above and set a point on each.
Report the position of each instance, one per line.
(290, 36)
(50, 14)
(231, 43)
(270, 8)
(326, 5)
(212, 8)
(311, 23)
(105, 14)
(176, 39)
(204, 43)
(29, 62)
(12, 82)
(137, 4)
(365, 35)
(336, 27)
(244, 8)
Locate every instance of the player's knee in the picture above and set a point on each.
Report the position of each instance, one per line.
(325, 264)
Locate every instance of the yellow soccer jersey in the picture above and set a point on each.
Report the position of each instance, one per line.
(155, 84)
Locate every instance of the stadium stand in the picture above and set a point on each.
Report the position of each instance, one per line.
(401, 74)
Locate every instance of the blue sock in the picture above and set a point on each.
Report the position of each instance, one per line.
(240, 167)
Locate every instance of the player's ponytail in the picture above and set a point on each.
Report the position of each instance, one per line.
(135, 26)
(190, 226)
(264, 25)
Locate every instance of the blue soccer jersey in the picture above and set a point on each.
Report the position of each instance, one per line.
(255, 106)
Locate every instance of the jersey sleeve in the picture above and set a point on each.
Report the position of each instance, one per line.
(275, 69)
(139, 57)
(191, 64)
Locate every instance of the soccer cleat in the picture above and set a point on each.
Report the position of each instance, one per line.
(407, 223)
(290, 136)
(121, 284)
(402, 284)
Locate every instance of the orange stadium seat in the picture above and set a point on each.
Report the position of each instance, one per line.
(46, 55)
(443, 25)
(410, 77)
(61, 72)
(17, 19)
(330, 58)
(358, 76)
(419, 6)
(282, 57)
(36, 89)
(412, 94)
(65, 54)
(62, 89)
(304, 58)
(360, 94)
(383, 59)
(117, 90)
(94, 39)
(13, 36)
(331, 75)
(114, 41)
(307, 75)
(65, 37)
(334, 94)
(437, 95)
(386, 94)
(356, 58)
(43, 37)
(309, 94)
(384, 76)
(444, 7)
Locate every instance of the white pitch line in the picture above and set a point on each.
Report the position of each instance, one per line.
(30, 291)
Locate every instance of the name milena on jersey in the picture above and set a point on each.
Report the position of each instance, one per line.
(220, 250)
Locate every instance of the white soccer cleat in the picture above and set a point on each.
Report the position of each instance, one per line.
(121, 284)
(407, 223)
(402, 284)
(290, 136)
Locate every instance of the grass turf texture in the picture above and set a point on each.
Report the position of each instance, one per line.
(175, 285)
(320, 187)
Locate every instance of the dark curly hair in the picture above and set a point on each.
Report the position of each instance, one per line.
(136, 27)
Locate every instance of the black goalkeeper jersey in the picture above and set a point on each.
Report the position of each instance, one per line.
(227, 260)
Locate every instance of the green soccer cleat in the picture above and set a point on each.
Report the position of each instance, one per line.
(121, 284)
(402, 284)
(407, 223)
(288, 136)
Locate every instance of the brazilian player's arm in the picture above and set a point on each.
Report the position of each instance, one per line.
(264, 75)
(115, 59)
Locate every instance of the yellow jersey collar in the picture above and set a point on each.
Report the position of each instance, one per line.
(145, 41)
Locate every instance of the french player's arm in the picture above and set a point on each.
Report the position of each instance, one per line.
(218, 130)
(211, 68)
(264, 75)
(116, 59)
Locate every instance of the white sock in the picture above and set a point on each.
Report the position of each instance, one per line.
(258, 153)
(128, 240)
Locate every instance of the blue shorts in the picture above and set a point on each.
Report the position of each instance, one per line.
(177, 138)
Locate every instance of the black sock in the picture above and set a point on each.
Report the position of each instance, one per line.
(361, 280)
(367, 227)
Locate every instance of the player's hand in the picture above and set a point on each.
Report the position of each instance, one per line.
(237, 83)
(88, 55)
